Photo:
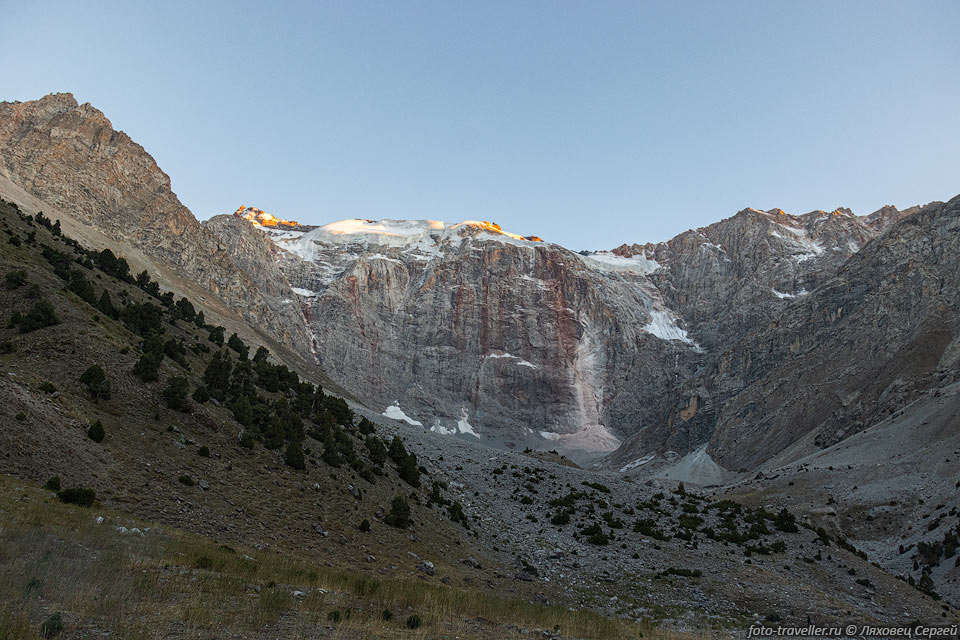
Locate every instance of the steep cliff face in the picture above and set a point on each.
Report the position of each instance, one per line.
(69, 156)
(468, 329)
(729, 279)
(736, 274)
(867, 340)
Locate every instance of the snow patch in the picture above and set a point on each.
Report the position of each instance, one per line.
(549, 435)
(637, 463)
(606, 260)
(442, 430)
(464, 427)
(663, 325)
(789, 296)
(521, 362)
(306, 293)
(799, 241)
(395, 412)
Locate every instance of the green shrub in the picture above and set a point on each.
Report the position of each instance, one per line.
(143, 318)
(413, 622)
(376, 450)
(294, 456)
(201, 395)
(15, 279)
(186, 480)
(595, 535)
(147, 367)
(399, 515)
(387, 614)
(246, 441)
(79, 496)
(786, 521)
(602, 488)
(204, 451)
(96, 432)
(52, 626)
(105, 306)
(364, 526)
(216, 336)
(457, 515)
(96, 382)
(47, 387)
(236, 344)
(176, 394)
(40, 315)
(79, 285)
(53, 484)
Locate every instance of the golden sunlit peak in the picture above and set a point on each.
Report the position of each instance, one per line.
(493, 227)
(262, 218)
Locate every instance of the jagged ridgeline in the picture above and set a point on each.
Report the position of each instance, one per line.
(171, 358)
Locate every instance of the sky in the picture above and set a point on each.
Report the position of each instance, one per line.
(587, 123)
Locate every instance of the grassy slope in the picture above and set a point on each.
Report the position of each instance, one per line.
(169, 583)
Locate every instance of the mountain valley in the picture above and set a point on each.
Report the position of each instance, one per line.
(755, 422)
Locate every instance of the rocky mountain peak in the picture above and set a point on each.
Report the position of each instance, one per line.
(260, 218)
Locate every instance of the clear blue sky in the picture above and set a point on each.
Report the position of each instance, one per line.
(588, 123)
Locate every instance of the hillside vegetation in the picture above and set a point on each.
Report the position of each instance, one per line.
(118, 395)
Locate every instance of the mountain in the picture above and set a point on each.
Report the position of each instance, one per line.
(865, 342)
(69, 157)
(161, 460)
(814, 351)
(524, 342)
(464, 329)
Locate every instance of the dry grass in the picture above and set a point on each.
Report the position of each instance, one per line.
(55, 558)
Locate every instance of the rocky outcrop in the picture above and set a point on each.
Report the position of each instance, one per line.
(736, 274)
(69, 156)
(866, 341)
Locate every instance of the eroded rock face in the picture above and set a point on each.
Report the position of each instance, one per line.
(867, 340)
(69, 156)
(467, 330)
(735, 275)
